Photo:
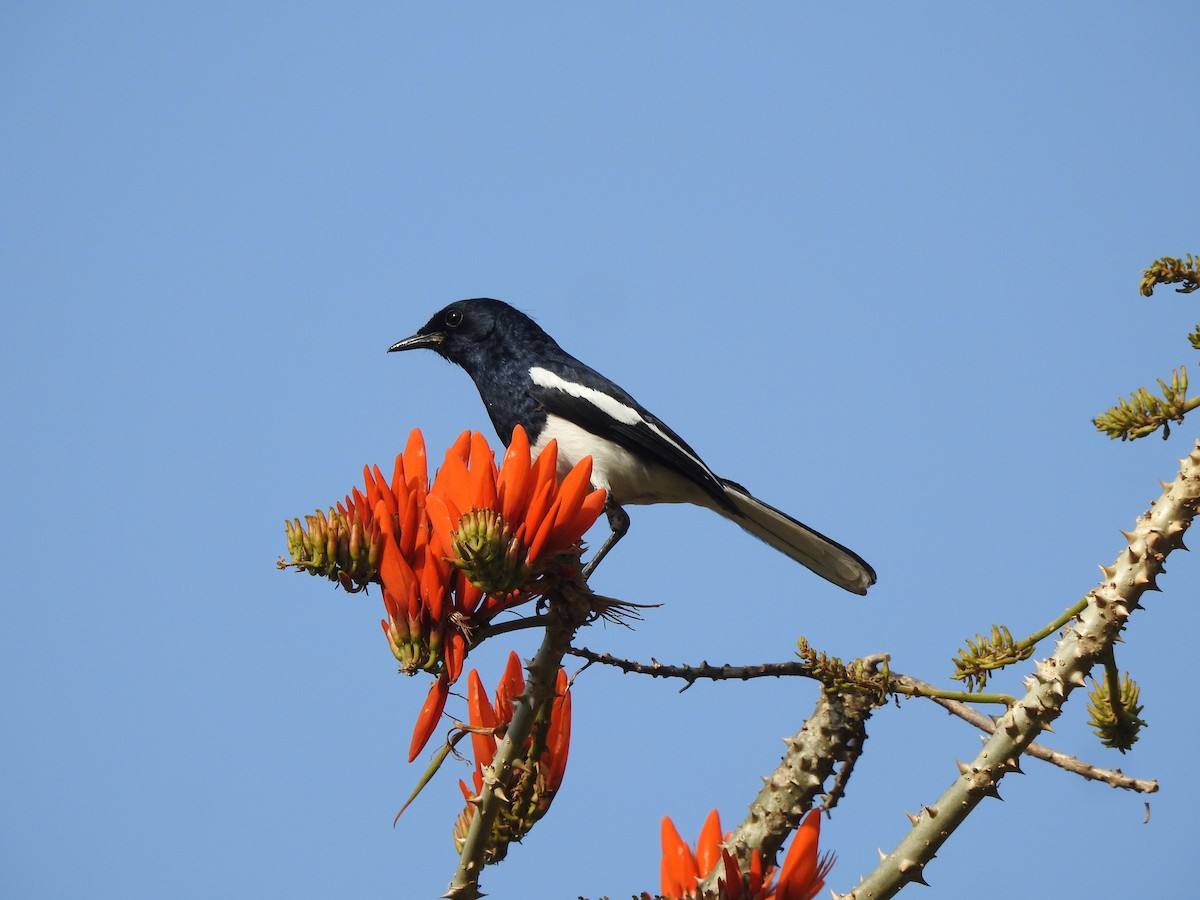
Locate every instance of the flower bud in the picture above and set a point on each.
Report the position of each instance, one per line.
(488, 553)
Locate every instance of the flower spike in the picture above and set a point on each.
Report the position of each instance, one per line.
(536, 777)
(452, 553)
(800, 878)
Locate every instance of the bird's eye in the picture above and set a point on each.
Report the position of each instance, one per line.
(454, 318)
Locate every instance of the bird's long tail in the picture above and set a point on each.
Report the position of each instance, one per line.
(827, 558)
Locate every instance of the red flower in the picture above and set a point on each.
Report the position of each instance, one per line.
(803, 872)
(801, 877)
(452, 555)
(508, 530)
(538, 774)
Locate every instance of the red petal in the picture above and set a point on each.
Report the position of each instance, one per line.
(535, 513)
(362, 507)
(756, 873)
(678, 863)
(453, 481)
(577, 483)
(483, 745)
(799, 870)
(733, 874)
(558, 740)
(592, 506)
(395, 572)
(545, 467)
(408, 525)
(399, 485)
(433, 586)
(443, 520)
(373, 492)
(514, 481)
(385, 492)
(483, 474)
(416, 469)
(466, 596)
(708, 847)
(455, 653)
(540, 541)
(512, 684)
(394, 609)
(571, 494)
(462, 447)
(428, 718)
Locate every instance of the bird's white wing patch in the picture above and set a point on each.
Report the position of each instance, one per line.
(611, 406)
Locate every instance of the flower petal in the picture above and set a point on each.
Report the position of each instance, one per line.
(801, 877)
(455, 653)
(558, 739)
(428, 718)
(416, 468)
(462, 447)
(395, 573)
(539, 543)
(466, 596)
(483, 745)
(545, 467)
(708, 847)
(515, 478)
(453, 481)
(733, 874)
(399, 486)
(408, 524)
(385, 492)
(483, 474)
(433, 585)
(443, 519)
(512, 684)
(678, 863)
(755, 881)
(577, 484)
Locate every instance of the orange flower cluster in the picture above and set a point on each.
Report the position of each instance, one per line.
(800, 878)
(453, 554)
(536, 776)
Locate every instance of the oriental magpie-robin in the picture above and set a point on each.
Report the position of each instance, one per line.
(525, 378)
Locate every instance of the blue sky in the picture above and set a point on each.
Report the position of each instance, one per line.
(878, 263)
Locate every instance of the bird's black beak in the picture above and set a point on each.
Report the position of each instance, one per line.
(417, 342)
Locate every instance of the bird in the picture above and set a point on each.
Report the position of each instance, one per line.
(525, 378)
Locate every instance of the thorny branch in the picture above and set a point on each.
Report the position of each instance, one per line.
(1082, 645)
(568, 609)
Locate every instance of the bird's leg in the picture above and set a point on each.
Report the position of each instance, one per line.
(618, 521)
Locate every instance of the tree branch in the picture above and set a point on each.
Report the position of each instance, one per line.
(569, 608)
(832, 738)
(1082, 645)
(954, 702)
(1113, 777)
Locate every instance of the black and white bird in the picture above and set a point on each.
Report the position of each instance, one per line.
(525, 378)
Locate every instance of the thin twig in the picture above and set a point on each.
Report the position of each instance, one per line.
(905, 684)
(1113, 777)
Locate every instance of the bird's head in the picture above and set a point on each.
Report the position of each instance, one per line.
(452, 331)
(465, 331)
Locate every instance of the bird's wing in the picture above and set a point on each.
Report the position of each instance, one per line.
(581, 395)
